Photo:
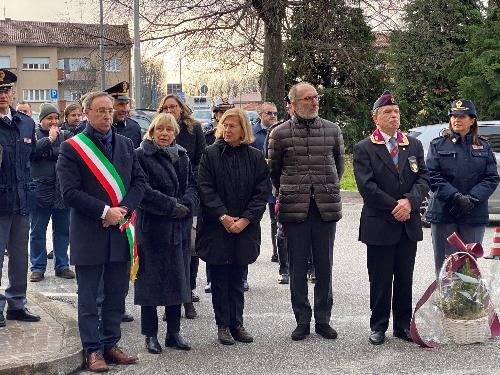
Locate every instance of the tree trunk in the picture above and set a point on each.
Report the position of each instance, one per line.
(272, 14)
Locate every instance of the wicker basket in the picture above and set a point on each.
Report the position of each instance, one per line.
(467, 331)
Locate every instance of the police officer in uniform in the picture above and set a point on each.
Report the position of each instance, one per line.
(123, 124)
(463, 175)
(392, 179)
(221, 105)
(17, 197)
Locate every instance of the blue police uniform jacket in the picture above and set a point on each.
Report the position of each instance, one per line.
(260, 133)
(17, 149)
(458, 166)
(130, 129)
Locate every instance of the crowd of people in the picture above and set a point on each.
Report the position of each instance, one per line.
(146, 209)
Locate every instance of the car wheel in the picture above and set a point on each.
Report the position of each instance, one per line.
(423, 211)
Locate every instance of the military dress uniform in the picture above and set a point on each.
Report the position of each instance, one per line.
(17, 198)
(459, 166)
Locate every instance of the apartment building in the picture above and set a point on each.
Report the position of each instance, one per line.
(59, 62)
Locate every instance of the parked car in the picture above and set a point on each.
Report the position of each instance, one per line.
(253, 116)
(488, 129)
(203, 116)
(143, 117)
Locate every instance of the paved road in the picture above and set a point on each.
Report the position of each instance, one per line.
(268, 316)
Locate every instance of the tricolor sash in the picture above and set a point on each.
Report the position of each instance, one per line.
(105, 172)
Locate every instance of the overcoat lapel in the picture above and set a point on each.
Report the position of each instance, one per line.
(403, 157)
(381, 151)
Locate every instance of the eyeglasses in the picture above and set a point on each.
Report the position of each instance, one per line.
(169, 107)
(103, 111)
(270, 113)
(230, 126)
(311, 98)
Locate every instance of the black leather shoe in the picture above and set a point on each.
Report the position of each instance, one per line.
(324, 330)
(403, 335)
(126, 317)
(2, 320)
(240, 334)
(23, 315)
(176, 341)
(190, 311)
(301, 332)
(274, 258)
(152, 345)
(377, 337)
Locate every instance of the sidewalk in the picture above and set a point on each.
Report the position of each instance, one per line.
(50, 346)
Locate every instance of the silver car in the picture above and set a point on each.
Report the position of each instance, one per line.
(488, 129)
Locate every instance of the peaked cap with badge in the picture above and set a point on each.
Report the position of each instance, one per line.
(462, 107)
(223, 104)
(119, 91)
(7, 79)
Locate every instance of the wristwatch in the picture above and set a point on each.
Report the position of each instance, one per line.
(222, 217)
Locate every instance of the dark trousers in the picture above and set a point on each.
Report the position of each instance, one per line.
(149, 319)
(440, 232)
(390, 271)
(274, 226)
(282, 252)
(228, 297)
(193, 271)
(60, 238)
(14, 234)
(115, 282)
(316, 236)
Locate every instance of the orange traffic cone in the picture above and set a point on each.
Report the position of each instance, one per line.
(495, 249)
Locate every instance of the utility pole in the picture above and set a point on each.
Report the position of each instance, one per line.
(137, 56)
(101, 46)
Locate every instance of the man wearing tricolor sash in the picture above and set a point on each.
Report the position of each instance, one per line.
(103, 183)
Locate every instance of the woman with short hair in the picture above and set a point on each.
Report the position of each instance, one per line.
(233, 182)
(192, 138)
(165, 213)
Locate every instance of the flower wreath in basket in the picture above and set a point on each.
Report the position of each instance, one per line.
(461, 309)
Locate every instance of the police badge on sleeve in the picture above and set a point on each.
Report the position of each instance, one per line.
(413, 164)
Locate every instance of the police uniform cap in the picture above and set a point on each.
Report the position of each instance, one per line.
(462, 107)
(385, 99)
(7, 79)
(119, 91)
(222, 104)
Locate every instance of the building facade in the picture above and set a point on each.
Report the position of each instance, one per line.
(59, 62)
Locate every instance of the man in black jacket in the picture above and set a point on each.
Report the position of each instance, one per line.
(393, 180)
(17, 196)
(123, 124)
(99, 249)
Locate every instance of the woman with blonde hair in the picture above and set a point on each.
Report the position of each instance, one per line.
(233, 184)
(190, 137)
(163, 221)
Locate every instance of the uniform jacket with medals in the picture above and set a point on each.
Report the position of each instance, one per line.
(381, 185)
(90, 242)
(458, 166)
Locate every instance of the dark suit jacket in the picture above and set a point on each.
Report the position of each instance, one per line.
(381, 185)
(90, 243)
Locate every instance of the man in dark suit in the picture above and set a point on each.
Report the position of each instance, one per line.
(393, 180)
(123, 124)
(98, 247)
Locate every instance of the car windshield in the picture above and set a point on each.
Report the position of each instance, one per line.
(202, 115)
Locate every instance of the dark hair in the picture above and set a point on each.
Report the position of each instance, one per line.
(474, 131)
(186, 112)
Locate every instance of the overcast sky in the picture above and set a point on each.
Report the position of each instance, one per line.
(50, 10)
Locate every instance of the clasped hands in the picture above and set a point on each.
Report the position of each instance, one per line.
(114, 216)
(402, 210)
(234, 224)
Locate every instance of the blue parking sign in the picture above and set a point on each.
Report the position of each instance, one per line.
(53, 95)
(182, 95)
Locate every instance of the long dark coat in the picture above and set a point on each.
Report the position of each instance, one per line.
(90, 242)
(164, 252)
(233, 181)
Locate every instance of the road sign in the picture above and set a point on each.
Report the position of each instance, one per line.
(53, 95)
(204, 89)
(182, 95)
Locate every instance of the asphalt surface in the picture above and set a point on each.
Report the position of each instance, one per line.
(268, 317)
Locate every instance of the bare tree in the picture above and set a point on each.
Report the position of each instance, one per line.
(152, 82)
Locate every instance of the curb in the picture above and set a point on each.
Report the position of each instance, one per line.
(68, 360)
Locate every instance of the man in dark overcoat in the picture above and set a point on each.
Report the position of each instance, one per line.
(98, 247)
(392, 179)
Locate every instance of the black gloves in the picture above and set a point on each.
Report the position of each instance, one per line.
(180, 211)
(463, 204)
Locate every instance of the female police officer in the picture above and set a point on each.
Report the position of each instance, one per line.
(463, 175)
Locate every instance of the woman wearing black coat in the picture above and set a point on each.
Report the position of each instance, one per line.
(166, 211)
(190, 137)
(233, 183)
